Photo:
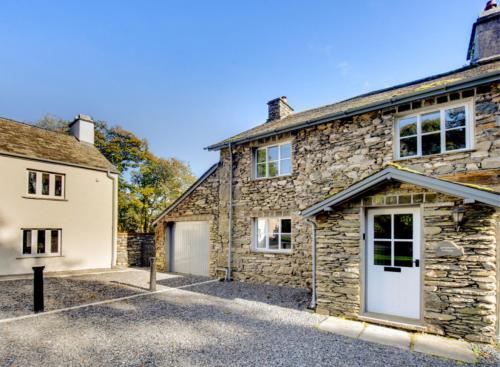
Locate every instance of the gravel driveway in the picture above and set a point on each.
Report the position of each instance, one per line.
(213, 324)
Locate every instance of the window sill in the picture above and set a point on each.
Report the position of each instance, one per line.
(468, 150)
(271, 178)
(277, 252)
(38, 257)
(43, 198)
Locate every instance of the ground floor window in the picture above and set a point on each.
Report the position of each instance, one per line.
(273, 234)
(41, 242)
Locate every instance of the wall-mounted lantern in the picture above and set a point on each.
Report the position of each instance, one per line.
(458, 216)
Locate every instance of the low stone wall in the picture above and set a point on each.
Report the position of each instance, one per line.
(134, 249)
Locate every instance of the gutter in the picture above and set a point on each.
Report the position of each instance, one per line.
(314, 226)
(114, 215)
(392, 102)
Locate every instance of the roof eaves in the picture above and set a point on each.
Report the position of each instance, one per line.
(111, 169)
(186, 193)
(393, 173)
(389, 102)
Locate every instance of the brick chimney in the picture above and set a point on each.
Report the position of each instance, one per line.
(484, 42)
(82, 128)
(278, 108)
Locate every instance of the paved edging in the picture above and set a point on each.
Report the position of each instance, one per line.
(423, 343)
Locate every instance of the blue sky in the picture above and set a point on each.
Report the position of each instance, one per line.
(186, 74)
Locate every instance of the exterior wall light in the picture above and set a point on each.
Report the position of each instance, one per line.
(458, 216)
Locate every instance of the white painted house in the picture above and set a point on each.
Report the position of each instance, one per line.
(58, 203)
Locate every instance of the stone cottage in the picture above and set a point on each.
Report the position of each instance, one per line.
(384, 205)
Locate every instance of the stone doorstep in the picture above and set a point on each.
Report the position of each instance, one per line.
(424, 343)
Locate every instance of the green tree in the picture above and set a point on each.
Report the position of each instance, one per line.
(147, 184)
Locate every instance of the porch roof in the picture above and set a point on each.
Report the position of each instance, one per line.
(395, 172)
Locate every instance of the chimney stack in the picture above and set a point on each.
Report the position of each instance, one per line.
(82, 128)
(278, 109)
(484, 42)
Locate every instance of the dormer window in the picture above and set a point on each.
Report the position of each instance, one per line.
(434, 131)
(273, 161)
(45, 185)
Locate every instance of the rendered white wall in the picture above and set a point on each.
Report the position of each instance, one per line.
(85, 217)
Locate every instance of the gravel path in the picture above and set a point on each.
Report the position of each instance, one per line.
(215, 324)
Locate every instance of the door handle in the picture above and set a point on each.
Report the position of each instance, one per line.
(417, 263)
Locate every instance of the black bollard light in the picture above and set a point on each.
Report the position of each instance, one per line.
(38, 288)
(152, 275)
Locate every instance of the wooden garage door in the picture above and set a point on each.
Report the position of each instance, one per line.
(189, 252)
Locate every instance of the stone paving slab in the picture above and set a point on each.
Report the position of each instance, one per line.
(386, 336)
(428, 344)
(444, 347)
(351, 329)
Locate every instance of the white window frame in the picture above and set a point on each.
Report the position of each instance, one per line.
(267, 249)
(267, 147)
(48, 242)
(469, 129)
(52, 185)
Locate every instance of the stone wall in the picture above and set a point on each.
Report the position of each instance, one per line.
(459, 293)
(134, 249)
(201, 205)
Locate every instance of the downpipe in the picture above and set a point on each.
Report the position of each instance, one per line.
(114, 216)
(230, 214)
(314, 227)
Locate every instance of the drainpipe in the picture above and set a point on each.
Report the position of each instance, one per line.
(497, 220)
(314, 226)
(230, 222)
(114, 216)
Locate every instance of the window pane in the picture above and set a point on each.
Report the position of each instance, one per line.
(261, 155)
(286, 226)
(286, 241)
(403, 254)
(261, 233)
(403, 226)
(32, 183)
(408, 147)
(40, 242)
(272, 153)
(273, 169)
(382, 226)
(54, 241)
(261, 170)
(285, 167)
(286, 151)
(45, 183)
(455, 139)
(58, 185)
(27, 241)
(274, 225)
(408, 126)
(382, 253)
(431, 144)
(274, 242)
(455, 117)
(431, 122)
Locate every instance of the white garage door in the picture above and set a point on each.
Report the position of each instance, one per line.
(189, 251)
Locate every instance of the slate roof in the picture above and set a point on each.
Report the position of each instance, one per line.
(371, 101)
(27, 141)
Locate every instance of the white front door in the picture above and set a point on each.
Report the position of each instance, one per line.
(393, 262)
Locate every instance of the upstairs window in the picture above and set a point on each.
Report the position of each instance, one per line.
(434, 132)
(273, 234)
(273, 161)
(45, 184)
(41, 242)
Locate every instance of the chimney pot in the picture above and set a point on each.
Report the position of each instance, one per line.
(82, 128)
(278, 108)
